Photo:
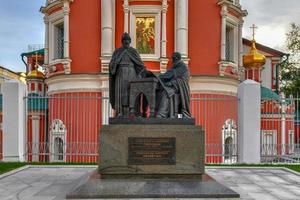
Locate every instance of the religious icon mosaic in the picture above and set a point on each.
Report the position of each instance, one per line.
(145, 35)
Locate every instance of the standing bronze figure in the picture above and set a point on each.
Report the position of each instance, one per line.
(125, 65)
(174, 95)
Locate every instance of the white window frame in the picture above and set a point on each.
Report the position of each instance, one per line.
(54, 20)
(147, 11)
(233, 23)
(264, 147)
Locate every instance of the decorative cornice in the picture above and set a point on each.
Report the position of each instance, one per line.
(234, 6)
(53, 4)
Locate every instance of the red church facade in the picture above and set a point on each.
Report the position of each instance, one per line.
(82, 35)
(68, 105)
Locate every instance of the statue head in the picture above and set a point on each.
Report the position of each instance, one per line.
(126, 40)
(176, 57)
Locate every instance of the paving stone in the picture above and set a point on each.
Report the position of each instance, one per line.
(282, 194)
(263, 196)
(53, 183)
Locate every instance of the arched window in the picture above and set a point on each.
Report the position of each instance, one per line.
(58, 134)
(229, 141)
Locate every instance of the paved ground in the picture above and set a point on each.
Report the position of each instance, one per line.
(48, 183)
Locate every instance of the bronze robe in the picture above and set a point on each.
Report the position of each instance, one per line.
(124, 66)
(178, 80)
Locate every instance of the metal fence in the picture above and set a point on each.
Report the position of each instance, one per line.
(279, 130)
(66, 127)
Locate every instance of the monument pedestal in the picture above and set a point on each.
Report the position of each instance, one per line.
(151, 161)
(205, 187)
(147, 151)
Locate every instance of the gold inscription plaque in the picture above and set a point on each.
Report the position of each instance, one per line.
(151, 151)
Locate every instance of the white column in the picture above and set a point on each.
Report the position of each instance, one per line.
(106, 28)
(181, 26)
(283, 125)
(126, 14)
(224, 13)
(241, 50)
(35, 137)
(164, 60)
(164, 29)
(66, 11)
(13, 121)
(107, 32)
(249, 122)
(46, 55)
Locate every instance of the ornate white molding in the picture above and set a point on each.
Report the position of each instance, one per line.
(236, 71)
(65, 62)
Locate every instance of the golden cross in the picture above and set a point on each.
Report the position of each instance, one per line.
(253, 27)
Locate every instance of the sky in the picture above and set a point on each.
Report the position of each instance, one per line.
(21, 24)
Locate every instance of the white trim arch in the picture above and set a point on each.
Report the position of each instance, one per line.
(58, 135)
(229, 134)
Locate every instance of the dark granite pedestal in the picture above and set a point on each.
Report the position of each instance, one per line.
(151, 158)
(205, 187)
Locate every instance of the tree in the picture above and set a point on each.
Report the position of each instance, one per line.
(290, 69)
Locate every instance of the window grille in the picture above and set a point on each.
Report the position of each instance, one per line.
(59, 41)
(229, 45)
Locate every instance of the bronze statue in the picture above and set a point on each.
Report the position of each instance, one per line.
(174, 94)
(125, 65)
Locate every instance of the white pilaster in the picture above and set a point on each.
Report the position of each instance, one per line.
(13, 121)
(181, 27)
(46, 54)
(107, 32)
(126, 15)
(241, 50)
(224, 13)
(249, 122)
(66, 12)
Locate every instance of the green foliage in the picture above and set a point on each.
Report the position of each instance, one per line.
(290, 69)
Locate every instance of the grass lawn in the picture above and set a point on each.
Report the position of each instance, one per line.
(6, 167)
